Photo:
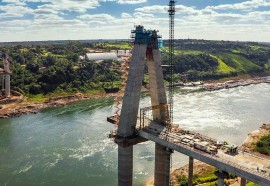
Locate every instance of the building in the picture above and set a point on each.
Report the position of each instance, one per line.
(122, 53)
(100, 56)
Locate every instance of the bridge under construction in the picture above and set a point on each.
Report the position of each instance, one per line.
(155, 122)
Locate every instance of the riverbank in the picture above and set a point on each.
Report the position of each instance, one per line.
(16, 109)
(250, 142)
(23, 106)
(217, 85)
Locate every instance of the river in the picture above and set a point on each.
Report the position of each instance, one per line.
(69, 145)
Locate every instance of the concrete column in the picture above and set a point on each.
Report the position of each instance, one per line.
(220, 178)
(162, 166)
(243, 182)
(125, 165)
(131, 99)
(190, 171)
(7, 85)
(156, 85)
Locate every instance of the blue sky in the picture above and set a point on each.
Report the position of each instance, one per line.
(35, 20)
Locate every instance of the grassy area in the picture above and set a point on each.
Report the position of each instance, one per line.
(121, 45)
(223, 68)
(182, 52)
(40, 98)
(239, 63)
(246, 64)
(255, 47)
(251, 184)
(207, 177)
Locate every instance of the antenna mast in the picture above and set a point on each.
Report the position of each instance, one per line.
(171, 55)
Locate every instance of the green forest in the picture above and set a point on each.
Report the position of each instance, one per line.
(44, 67)
(206, 60)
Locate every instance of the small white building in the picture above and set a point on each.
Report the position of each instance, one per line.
(121, 53)
(100, 56)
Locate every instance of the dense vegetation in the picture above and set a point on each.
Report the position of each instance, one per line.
(204, 60)
(42, 68)
(263, 145)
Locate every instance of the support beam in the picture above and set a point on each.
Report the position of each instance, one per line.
(190, 170)
(125, 165)
(220, 178)
(162, 166)
(243, 182)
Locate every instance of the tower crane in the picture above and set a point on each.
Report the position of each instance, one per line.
(171, 12)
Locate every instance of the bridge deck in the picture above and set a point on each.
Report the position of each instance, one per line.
(247, 165)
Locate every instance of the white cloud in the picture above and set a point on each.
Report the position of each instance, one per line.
(49, 20)
(15, 2)
(125, 15)
(14, 11)
(241, 6)
(180, 9)
(131, 1)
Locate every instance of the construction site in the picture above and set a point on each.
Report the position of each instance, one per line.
(155, 123)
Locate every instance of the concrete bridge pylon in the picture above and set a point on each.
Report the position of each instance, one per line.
(145, 52)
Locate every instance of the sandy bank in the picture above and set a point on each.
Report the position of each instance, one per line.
(253, 137)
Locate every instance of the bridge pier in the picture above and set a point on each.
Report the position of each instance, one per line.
(190, 171)
(7, 85)
(162, 165)
(221, 178)
(125, 165)
(243, 182)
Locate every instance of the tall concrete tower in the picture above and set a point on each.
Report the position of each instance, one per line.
(146, 49)
(6, 75)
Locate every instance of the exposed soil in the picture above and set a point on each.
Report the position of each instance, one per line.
(254, 136)
(16, 109)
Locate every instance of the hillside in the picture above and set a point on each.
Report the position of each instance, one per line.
(56, 67)
(204, 60)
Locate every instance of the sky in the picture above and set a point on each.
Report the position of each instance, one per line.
(43, 20)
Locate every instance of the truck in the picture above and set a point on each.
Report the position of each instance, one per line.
(201, 145)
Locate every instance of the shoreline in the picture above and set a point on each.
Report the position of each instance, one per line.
(233, 83)
(23, 107)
